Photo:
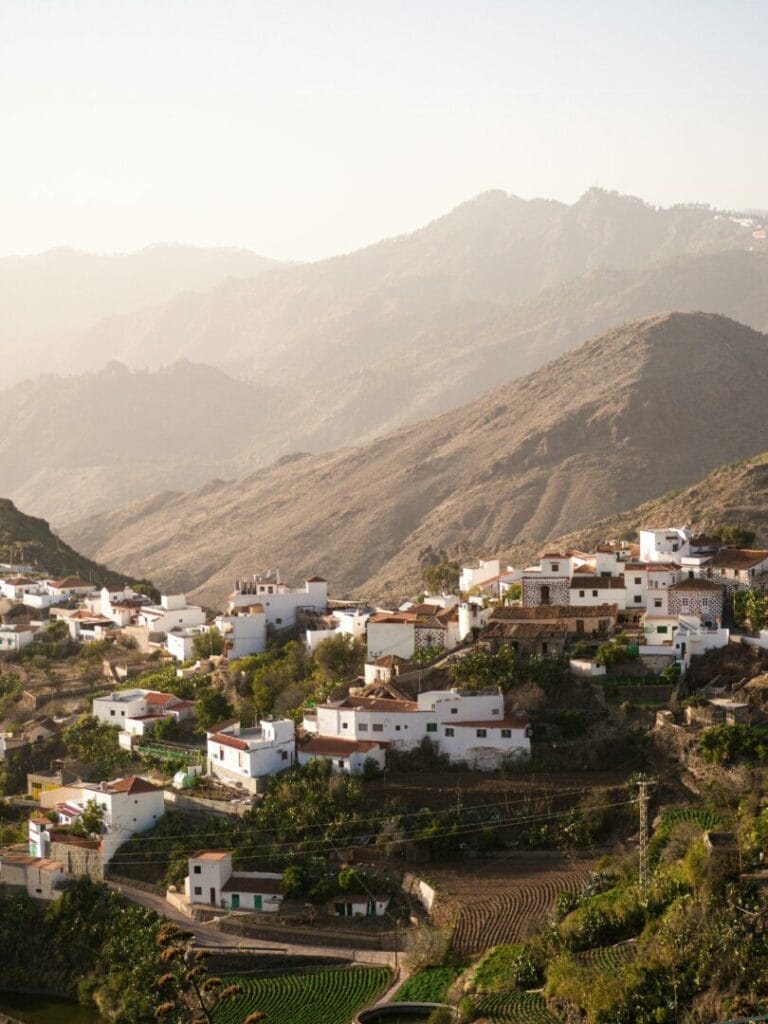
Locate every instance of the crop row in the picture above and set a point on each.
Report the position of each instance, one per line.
(608, 958)
(508, 916)
(516, 1008)
(428, 985)
(332, 994)
(703, 818)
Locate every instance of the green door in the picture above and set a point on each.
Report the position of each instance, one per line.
(235, 900)
(257, 902)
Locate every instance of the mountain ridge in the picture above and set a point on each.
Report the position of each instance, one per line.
(577, 439)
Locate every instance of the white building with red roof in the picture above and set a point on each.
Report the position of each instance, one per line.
(213, 882)
(280, 603)
(136, 711)
(471, 727)
(241, 757)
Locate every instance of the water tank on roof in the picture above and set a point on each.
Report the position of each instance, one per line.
(183, 780)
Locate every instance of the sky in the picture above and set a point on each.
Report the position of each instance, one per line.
(304, 128)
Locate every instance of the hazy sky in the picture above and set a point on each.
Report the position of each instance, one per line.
(301, 129)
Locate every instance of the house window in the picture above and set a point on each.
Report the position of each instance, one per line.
(638, 599)
(582, 593)
(449, 731)
(196, 870)
(594, 593)
(481, 733)
(657, 603)
(377, 727)
(684, 602)
(454, 711)
(662, 629)
(198, 890)
(340, 762)
(397, 728)
(112, 712)
(431, 726)
(638, 579)
(283, 755)
(506, 734)
(278, 622)
(345, 725)
(362, 727)
(555, 566)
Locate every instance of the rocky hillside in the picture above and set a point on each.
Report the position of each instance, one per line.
(75, 446)
(339, 377)
(731, 495)
(651, 405)
(29, 540)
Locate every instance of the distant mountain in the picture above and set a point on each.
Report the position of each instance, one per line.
(322, 392)
(47, 297)
(76, 446)
(333, 319)
(24, 538)
(647, 406)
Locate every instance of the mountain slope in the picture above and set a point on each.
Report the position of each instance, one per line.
(645, 407)
(25, 538)
(731, 495)
(201, 425)
(78, 445)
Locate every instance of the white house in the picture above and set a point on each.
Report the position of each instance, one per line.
(129, 805)
(15, 587)
(346, 905)
(68, 587)
(420, 627)
(279, 602)
(644, 581)
(211, 881)
(244, 631)
(347, 756)
(664, 545)
(590, 590)
(477, 575)
(120, 604)
(14, 638)
(738, 568)
(172, 612)
(240, 757)
(466, 726)
(135, 711)
(42, 879)
(180, 643)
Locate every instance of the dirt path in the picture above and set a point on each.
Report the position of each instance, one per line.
(207, 934)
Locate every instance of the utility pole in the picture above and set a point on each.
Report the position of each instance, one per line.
(642, 802)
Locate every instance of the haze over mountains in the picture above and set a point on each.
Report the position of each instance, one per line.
(46, 298)
(644, 408)
(317, 356)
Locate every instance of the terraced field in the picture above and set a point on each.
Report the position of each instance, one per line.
(428, 985)
(332, 994)
(516, 1008)
(505, 906)
(703, 818)
(608, 958)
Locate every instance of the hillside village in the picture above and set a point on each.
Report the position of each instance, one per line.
(598, 664)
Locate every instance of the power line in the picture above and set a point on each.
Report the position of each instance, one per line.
(453, 832)
(384, 818)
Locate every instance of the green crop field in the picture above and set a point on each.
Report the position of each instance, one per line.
(428, 985)
(607, 958)
(330, 994)
(703, 818)
(516, 1008)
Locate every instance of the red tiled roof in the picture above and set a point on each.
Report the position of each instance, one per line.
(154, 697)
(71, 583)
(226, 740)
(315, 579)
(696, 584)
(239, 883)
(545, 612)
(211, 855)
(331, 745)
(221, 726)
(376, 704)
(738, 558)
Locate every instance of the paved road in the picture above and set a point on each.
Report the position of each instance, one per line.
(207, 934)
